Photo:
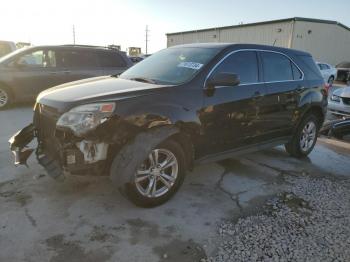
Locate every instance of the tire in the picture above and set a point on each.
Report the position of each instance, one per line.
(5, 98)
(331, 80)
(137, 185)
(311, 124)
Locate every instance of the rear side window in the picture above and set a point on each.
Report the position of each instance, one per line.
(309, 67)
(244, 64)
(111, 59)
(77, 59)
(277, 67)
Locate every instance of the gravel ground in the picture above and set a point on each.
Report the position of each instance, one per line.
(308, 222)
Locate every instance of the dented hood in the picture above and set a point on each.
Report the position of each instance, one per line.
(105, 88)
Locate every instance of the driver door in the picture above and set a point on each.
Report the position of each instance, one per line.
(34, 72)
(231, 116)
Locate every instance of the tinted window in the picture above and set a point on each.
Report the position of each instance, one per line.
(111, 59)
(326, 66)
(77, 59)
(296, 72)
(319, 66)
(244, 64)
(309, 67)
(276, 67)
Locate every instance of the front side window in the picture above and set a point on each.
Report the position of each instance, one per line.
(34, 59)
(39, 58)
(277, 67)
(244, 64)
(172, 66)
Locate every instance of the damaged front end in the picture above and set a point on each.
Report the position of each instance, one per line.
(66, 142)
(18, 144)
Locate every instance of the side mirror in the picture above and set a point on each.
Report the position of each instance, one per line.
(223, 79)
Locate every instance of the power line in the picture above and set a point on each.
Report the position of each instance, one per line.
(147, 31)
(74, 34)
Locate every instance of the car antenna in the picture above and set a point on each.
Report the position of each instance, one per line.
(274, 42)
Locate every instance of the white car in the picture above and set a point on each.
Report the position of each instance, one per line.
(339, 102)
(328, 72)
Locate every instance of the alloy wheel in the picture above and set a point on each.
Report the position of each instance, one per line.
(308, 136)
(157, 174)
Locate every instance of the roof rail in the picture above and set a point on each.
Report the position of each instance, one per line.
(85, 46)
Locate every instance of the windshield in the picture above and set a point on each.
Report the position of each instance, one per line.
(171, 66)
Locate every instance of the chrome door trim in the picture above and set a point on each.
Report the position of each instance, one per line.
(258, 83)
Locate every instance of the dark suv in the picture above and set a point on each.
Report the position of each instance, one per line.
(182, 106)
(27, 72)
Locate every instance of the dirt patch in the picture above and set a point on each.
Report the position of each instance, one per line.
(177, 250)
(73, 252)
(140, 228)
(16, 196)
(101, 234)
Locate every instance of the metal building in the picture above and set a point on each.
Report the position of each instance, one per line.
(328, 41)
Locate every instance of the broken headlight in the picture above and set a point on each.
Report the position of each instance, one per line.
(335, 98)
(85, 118)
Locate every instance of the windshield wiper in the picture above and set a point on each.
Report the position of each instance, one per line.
(143, 79)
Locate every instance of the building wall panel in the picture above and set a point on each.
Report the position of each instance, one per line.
(328, 43)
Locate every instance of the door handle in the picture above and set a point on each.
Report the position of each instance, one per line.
(257, 96)
(300, 89)
(66, 72)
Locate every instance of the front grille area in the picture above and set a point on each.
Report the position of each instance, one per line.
(346, 100)
(45, 119)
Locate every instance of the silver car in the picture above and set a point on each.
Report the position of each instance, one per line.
(339, 102)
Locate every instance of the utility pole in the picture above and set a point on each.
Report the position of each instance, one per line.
(74, 34)
(147, 31)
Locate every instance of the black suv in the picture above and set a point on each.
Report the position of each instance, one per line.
(27, 72)
(182, 106)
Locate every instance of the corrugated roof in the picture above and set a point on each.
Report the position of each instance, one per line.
(268, 22)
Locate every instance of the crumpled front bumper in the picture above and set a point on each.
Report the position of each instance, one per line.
(18, 144)
(74, 157)
(19, 147)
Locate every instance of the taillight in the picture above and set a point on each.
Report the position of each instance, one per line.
(326, 88)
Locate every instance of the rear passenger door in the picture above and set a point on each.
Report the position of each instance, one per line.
(78, 64)
(111, 62)
(284, 83)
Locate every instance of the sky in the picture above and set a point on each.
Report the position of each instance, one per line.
(105, 22)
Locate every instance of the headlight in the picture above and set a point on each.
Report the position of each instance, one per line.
(85, 118)
(335, 98)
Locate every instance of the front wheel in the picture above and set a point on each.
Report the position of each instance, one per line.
(304, 138)
(157, 177)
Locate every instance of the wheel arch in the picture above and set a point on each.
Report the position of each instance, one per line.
(8, 88)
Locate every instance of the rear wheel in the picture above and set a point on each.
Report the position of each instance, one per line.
(5, 98)
(305, 137)
(331, 80)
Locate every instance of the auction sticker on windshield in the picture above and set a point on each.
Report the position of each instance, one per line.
(192, 65)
